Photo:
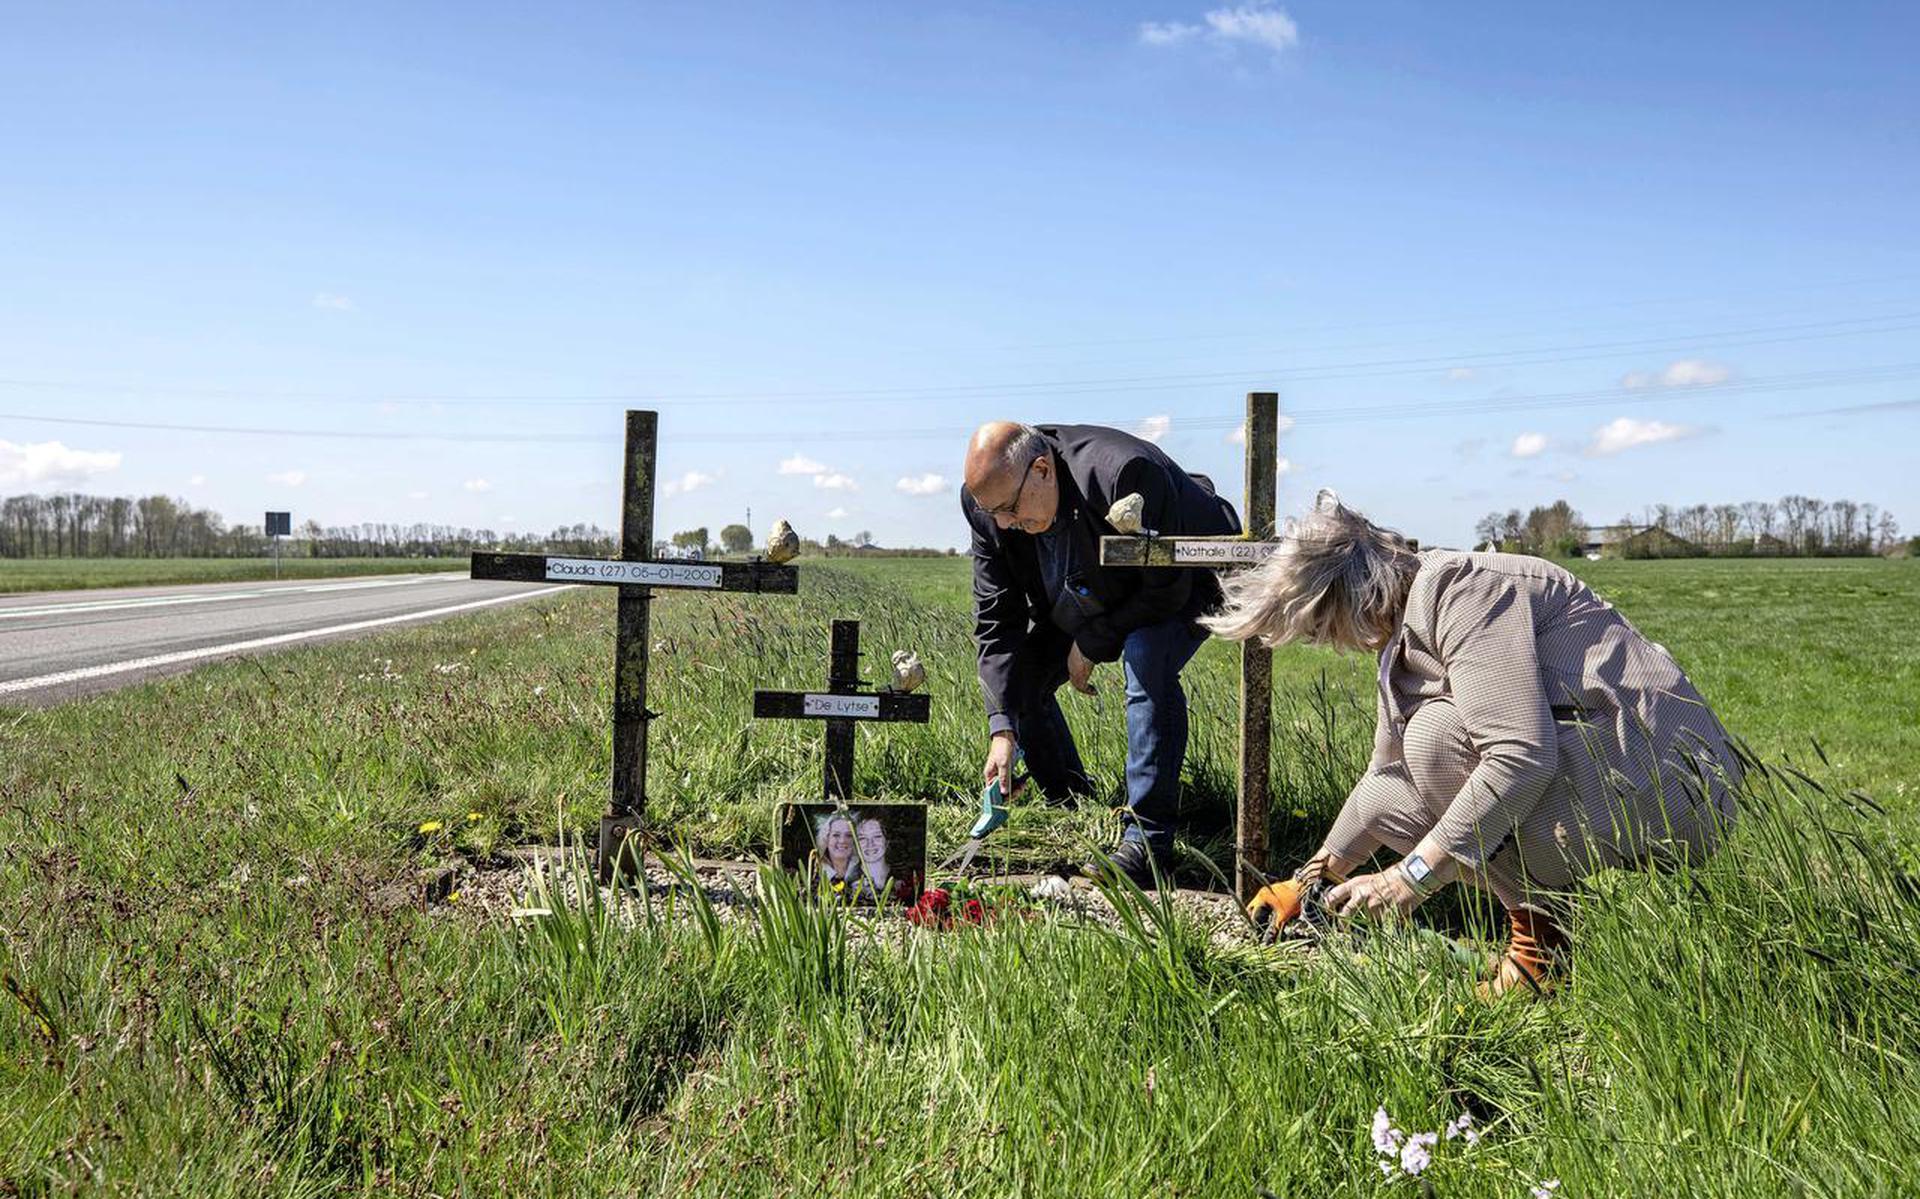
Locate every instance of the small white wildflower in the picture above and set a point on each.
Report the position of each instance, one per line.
(1463, 1127)
(1417, 1155)
(1386, 1168)
(1546, 1189)
(538, 692)
(1386, 1138)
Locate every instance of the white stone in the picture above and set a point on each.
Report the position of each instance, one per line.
(1125, 514)
(908, 673)
(783, 544)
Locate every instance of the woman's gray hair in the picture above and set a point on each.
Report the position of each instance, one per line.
(1337, 579)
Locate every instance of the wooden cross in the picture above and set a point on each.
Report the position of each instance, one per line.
(637, 574)
(1253, 547)
(842, 705)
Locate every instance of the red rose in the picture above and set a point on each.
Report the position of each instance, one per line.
(975, 912)
(930, 911)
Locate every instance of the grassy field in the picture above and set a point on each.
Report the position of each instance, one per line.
(75, 574)
(209, 995)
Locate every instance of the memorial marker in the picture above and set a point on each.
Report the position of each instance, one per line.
(1256, 661)
(636, 574)
(842, 705)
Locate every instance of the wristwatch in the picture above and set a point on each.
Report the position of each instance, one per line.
(1415, 870)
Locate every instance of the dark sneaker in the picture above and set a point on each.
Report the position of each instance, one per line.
(1136, 862)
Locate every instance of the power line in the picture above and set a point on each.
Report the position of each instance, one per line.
(1539, 401)
(1254, 377)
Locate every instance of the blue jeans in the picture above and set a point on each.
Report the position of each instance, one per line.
(1152, 659)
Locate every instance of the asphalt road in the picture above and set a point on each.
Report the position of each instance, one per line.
(55, 645)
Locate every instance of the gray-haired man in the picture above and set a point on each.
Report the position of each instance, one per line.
(1046, 612)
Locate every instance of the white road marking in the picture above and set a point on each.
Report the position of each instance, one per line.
(162, 601)
(13, 686)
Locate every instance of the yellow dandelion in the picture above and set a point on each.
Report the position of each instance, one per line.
(472, 816)
(430, 826)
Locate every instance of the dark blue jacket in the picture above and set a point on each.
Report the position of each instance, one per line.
(1096, 606)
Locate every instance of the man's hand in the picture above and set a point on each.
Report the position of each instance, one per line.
(1385, 894)
(999, 763)
(1079, 671)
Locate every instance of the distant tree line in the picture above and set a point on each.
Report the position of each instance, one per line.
(738, 540)
(69, 525)
(1553, 531)
(1792, 526)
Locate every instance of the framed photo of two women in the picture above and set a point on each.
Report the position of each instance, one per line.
(872, 853)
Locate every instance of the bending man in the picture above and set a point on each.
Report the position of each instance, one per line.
(1046, 612)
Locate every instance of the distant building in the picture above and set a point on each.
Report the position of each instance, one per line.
(1595, 539)
(1651, 542)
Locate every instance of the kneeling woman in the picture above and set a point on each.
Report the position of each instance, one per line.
(1527, 736)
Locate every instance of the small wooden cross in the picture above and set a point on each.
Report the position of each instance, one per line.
(842, 705)
(1256, 661)
(637, 574)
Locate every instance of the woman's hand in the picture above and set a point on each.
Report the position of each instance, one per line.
(1385, 894)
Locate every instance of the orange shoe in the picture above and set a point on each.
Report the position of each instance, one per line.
(1536, 956)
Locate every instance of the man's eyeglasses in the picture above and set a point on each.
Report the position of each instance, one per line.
(1013, 505)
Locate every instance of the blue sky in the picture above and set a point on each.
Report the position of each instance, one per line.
(1489, 256)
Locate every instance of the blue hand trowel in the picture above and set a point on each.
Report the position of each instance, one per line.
(993, 814)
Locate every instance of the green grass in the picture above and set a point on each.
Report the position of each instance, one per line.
(207, 996)
(1793, 652)
(75, 574)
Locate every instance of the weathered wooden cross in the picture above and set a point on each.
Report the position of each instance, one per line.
(637, 574)
(1251, 548)
(842, 705)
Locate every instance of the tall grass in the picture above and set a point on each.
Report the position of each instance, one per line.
(210, 993)
(1743, 1027)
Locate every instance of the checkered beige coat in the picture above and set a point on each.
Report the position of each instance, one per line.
(1523, 719)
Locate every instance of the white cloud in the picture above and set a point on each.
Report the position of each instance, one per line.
(1254, 23)
(288, 478)
(835, 482)
(197, 481)
(1282, 466)
(836, 514)
(1625, 433)
(1282, 425)
(1527, 445)
(693, 480)
(1153, 428)
(1258, 22)
(800, 464)
(1695, 372)
(1683, 372)
(49, 463)
(477, 485)
(1460, 374)
(1166, 33)
(332, 301)
(927, 484)
(416, 495)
